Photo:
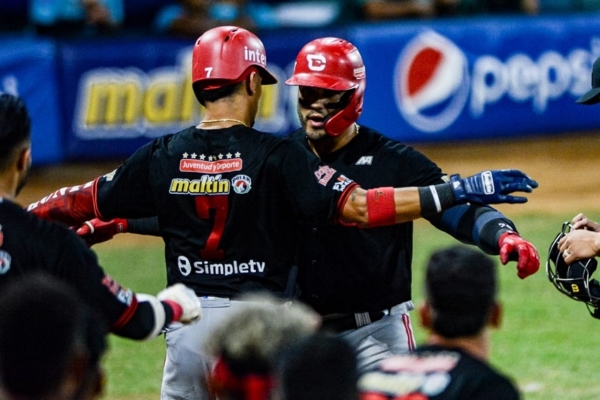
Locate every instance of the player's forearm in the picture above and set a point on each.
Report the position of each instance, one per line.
(382, 206)
(70, 205)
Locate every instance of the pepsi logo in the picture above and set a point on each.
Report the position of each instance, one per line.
(431, 82)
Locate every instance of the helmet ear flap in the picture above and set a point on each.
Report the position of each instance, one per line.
(339, 122)
(574, 280)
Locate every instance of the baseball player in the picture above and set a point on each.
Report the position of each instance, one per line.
(360, 279)
(583, 241)
(28, 244)
(460, 308)
(228, 198)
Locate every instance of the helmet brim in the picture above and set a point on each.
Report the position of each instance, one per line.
(591, 97)
(321, 82)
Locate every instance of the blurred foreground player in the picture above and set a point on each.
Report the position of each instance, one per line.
(360, 279)
(227, 199)
(51, 342)
(28, 244)
(460, 305)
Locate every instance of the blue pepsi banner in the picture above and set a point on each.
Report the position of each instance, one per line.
(28, 69)
(479, 78)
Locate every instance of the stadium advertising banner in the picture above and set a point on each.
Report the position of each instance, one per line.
(439, 80)
(28, 69)
(479, 78)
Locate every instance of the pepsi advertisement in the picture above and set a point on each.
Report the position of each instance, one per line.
(479, 78)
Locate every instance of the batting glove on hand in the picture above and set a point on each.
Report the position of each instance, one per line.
(184, 297)
(98, 231)
(514, 248)
(492, 187)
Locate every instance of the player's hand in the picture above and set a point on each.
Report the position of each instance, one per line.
(579, 244)
(514, 248)
(98, 231)
(492, 187)
(184, 297)
(580, 221)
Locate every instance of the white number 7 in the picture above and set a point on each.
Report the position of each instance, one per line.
(208, 71)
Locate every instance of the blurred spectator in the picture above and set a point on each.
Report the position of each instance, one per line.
(13, 15)
(76, 17)
(460, 306)
(312, 13)
(378, 10)
(191, 18)
(248, 343)
(51, 343)
(320, 367)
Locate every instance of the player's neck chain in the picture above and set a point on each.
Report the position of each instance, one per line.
(215, 121)
(356, 129)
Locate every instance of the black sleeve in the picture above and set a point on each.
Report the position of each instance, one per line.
(144, 226)
(478, 225)
(142, 322)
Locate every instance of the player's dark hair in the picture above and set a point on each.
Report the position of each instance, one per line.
(320, 367)
(15, 125)
(45, 324)
(461, 287)
(216, 94)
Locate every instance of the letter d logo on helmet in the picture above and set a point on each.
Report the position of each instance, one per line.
(224, 55)
(334, 64)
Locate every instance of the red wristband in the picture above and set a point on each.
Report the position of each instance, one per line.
(177, 309)
(381, 206)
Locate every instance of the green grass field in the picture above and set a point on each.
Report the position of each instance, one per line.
(547, 342)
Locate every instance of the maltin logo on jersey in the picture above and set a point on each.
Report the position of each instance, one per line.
(241, 184)
(431, 82)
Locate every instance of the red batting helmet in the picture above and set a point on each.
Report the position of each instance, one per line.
(223, 56)
(335, 64)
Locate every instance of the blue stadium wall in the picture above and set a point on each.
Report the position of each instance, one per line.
(434, 81)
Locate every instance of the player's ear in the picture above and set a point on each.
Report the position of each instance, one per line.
(253, 82)
(425, 315)
(24, 159)
(496, 315)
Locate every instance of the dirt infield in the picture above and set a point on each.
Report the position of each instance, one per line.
(566, 166)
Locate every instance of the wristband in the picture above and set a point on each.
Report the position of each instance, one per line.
(177, 309)
(381, 206)
(435, 198)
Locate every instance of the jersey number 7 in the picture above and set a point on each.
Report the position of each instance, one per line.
(220, 204)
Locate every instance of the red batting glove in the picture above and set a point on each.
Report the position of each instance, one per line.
(514, 248)
(98, 231)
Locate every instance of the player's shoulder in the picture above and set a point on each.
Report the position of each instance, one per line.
(28, 225)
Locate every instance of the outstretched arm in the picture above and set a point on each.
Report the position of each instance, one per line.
(153, 314)
(387, 206)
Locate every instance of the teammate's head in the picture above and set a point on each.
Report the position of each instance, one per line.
(593, 95)
(326, 67)
(320, 367)
(50, 342)
(460, 291)
(249, 342)
(15, 136)
(224, 56)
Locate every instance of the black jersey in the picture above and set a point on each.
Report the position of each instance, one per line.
(436, 373)
(347, 270)
(228, 202)
(29, 244)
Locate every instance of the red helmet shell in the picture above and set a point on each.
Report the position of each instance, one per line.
(334, 64)
(222, 55)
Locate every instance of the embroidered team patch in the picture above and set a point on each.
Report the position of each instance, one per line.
(4, 262)
(241, 184)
